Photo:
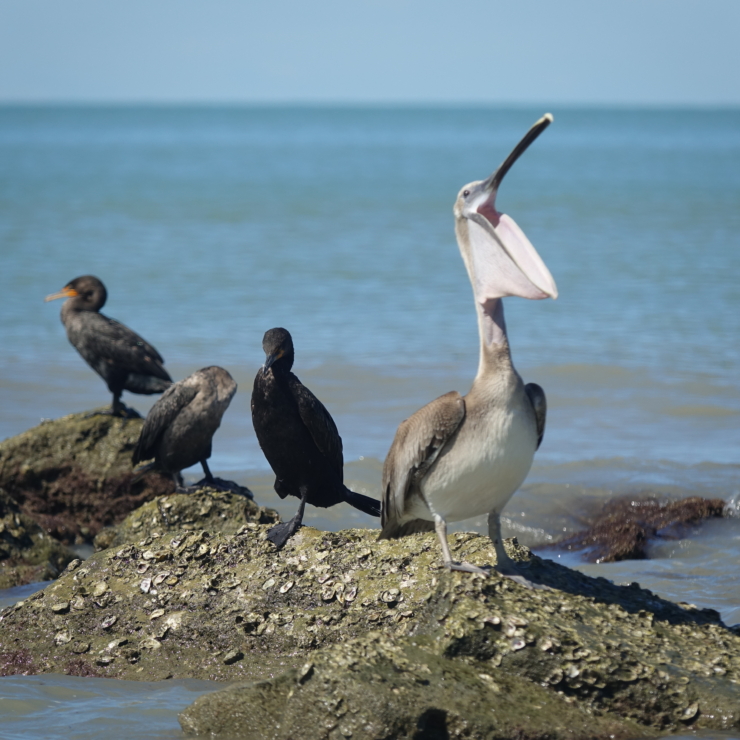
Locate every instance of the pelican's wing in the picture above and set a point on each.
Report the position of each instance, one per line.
(417, 444)
(539, 403)
(160, 416)
(319, 423)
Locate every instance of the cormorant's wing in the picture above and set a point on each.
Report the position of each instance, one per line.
(416, 446)
(160, 416)
(115, 342)
(319, 423)
(539, 403)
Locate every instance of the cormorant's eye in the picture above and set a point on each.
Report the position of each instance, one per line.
(466, 193)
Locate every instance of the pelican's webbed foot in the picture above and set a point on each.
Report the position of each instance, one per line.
(505, 566)
(467, 568)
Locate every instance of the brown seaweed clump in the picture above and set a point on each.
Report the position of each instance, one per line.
(27, 553)
(73, 475)
(624, 528)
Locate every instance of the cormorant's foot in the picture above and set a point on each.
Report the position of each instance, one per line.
(466, 568)
(220, 484)
(187, 489)
(281, 533)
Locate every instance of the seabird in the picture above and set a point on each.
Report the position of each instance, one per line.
(460, 457)
(179, 428)
(299, 438)
(120, 356)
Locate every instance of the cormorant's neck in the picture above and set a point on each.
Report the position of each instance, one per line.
(494, 344)
(281, 368)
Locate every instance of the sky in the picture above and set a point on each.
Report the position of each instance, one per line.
(565, 52)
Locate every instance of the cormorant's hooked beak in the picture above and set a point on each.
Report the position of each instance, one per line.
(497, 241)
(271, 359)
(65, 292)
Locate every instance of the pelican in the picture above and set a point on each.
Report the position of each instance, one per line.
(460, 457)
(120, 356)
(179, 428)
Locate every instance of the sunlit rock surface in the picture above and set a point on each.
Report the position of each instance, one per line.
(313, 623)
(206, 508)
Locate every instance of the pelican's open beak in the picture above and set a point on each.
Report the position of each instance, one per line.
(514, 268)
(65, 292)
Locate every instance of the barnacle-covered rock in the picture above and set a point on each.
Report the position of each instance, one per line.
(27, 553)
(187, 604)
(206, 508)
(73, 475)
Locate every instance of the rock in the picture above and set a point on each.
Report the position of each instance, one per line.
(73, 475)
(360, 611)
(207, 508)
(27, 553)
(376, 687)
(624, 527)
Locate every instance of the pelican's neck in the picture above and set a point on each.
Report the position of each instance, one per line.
(495, 355)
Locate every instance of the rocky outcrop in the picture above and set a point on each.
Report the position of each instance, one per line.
(27, 553)
(308, 627)
(624, 528)
(73, 475)
(217, 511)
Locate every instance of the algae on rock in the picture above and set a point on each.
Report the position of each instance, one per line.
(27, 553)
(73, 475)
(226, 607)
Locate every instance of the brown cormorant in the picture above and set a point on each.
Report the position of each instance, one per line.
(460, 457)
(299, 438)
(120, 356)
(180, 426)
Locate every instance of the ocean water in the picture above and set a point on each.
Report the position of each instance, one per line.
(211, 225)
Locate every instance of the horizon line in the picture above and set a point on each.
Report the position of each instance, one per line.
(326, 104)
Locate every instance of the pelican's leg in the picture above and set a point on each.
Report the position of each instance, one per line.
(281, 533)
(440, 526)
(504, 564)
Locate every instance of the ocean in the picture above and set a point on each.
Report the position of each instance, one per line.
(210, 225)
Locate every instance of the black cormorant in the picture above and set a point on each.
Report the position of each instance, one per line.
(299, 438)
(120, 356)
(180, 426)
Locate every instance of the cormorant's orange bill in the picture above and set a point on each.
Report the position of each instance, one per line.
(65, 292)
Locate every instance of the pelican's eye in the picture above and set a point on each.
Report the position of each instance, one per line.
(466, 193)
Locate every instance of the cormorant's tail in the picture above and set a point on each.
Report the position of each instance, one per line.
(393, 530)
(364, 503)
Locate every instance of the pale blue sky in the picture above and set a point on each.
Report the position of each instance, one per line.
(530, 51)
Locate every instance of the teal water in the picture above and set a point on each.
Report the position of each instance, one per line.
(211, 225)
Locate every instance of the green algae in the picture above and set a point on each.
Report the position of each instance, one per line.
(73, 475)
(27, 553)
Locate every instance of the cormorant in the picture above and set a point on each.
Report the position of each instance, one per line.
(458, 457)
(299, 438)
(120, 356)
(180, 426)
